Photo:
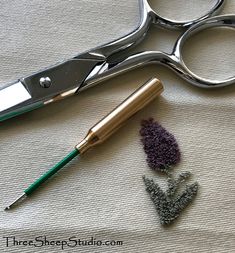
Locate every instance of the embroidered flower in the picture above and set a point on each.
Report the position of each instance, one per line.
(160, 146)
(162, 153)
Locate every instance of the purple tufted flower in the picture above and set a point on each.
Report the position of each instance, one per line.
(160, 146)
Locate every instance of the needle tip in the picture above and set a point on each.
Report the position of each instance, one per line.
(21, 198)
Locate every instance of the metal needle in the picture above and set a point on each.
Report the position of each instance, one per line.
(21, 198)
(103, 129)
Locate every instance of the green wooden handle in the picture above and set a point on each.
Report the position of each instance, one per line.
(51, 172)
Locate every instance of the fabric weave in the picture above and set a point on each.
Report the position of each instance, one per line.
(102, 194)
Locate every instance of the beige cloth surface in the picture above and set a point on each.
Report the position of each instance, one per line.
(102, 195)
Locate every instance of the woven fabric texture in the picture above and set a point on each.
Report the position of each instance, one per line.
(102, 195)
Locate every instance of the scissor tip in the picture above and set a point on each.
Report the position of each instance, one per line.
(7, 208)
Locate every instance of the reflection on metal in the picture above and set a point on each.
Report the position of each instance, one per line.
(13, 95)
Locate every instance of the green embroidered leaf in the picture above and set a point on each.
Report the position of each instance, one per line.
(167, 204)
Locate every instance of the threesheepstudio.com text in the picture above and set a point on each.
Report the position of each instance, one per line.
(71, 242)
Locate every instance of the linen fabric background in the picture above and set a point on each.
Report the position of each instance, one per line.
(102, 195)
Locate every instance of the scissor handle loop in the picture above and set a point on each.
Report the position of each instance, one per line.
(174, 24)
(148, 16)
(218, 21)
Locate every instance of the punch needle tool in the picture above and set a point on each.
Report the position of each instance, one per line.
(102, 130)
(107, 61)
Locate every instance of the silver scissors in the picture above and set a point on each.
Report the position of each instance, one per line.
(92, 67)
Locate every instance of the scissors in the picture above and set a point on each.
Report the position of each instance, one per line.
(92, 67)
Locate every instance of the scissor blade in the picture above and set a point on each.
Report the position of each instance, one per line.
(62, 80)
(18, 94)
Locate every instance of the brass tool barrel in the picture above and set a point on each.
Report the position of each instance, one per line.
(115, 119)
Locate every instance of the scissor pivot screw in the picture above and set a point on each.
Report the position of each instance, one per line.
(45, 82)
